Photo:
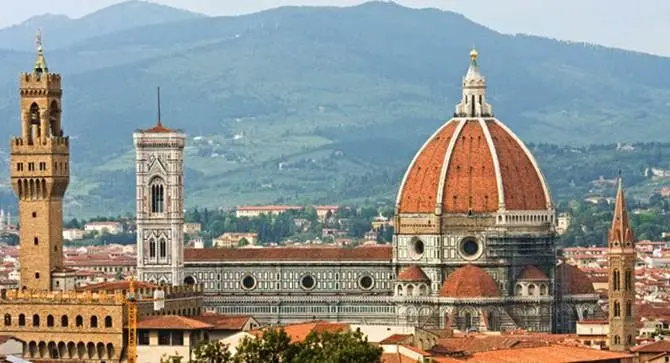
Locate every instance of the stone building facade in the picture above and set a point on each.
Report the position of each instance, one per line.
(160, 208)
(55, 321)
(474, 246)
(621, 291)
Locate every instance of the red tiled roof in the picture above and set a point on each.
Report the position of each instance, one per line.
(546, 354)
(158, 128)
(298, 332)
(470, 181)
(164, 322)
(395, 339)
(383, 253)
(531, 272)
(469, 281)
(224, 322)
(573, 281)
(656, 347)
(412, 273)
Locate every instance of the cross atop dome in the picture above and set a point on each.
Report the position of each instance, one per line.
(474, 103)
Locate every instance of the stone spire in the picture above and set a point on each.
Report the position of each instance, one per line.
(41, 63)
(620, 234)
(474, 103)
(621, 256)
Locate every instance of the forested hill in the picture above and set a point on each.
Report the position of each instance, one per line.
(298, 102)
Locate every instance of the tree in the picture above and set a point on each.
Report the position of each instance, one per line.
(274, 346)
(341, 347)
(243, 242)
(176, 358)
(212, 352)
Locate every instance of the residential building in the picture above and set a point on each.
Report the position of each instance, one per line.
(104, 227)
(232, 240)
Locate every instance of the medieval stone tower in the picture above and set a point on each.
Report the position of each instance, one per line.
(621, 278)
(160, 203)
(40, 176)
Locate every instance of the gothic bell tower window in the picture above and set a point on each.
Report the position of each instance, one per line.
(157, 196)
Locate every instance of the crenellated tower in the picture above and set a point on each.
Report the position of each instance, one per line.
(621, 256)
(40, 175)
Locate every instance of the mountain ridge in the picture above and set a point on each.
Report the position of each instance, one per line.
(303, 103)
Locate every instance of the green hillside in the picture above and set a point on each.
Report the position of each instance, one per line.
(323, 104)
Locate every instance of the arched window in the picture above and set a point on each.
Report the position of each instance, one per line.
(629, 309)
(108, 321)
(519, 290)
(50, 320)
(8, 320)
(54, 117)
(616, 282)
(617, 339)
(36, 320)
(152, 248)
(163, 248)
(157, 195)
(22, 320)
(617, 309)
(543, 289)
(63, 321)
(94, 321)
(79, 321)
(531, 290)
(34, 120)
(628, 280)
(629, 340)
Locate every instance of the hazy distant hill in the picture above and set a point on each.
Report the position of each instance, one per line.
(59, 30)
(323, 104)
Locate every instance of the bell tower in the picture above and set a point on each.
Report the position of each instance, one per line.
(160, 203)
(40, 175)
(621, 256)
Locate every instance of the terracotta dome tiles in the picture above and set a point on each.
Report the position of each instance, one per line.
(471, 178)
(573, 281)
(419, 191)
(521, 181)
(531, 272)
(469, 281)
(412, 273)
(471, 181)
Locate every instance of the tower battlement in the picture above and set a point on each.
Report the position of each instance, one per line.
(47, 81)
(51, 145)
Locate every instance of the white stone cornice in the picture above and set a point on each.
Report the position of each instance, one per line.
(496, 164)
(530, 157)
(411, 164)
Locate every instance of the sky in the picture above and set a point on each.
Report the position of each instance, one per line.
(636, 25)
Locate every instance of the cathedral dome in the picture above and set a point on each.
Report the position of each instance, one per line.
(412, 273)
(473, 164)
(532, 273)
(573, 281)
(469, 281)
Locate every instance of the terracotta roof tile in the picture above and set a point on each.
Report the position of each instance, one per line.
(396, 339)
(412, 273)
(656, 347)
(573, 281)
(382, 253)
(531, 272)
(471, 182)
(223, 322)
(298, 332)
(546, 354)
(163, 322)
(521, 182)
(158, 128)
(469, 281)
